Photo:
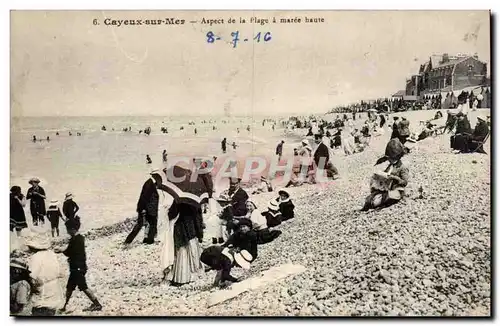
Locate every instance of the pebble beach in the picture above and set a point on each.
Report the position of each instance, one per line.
(428, 255)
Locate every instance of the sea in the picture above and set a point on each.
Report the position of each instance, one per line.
(105, 170)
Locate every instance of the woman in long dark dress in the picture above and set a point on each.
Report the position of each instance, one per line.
(188, 234)
(17, 215)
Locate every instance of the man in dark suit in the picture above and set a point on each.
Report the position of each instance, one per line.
(322, 158)
(147, 209)
(36, 195)
(239, 198)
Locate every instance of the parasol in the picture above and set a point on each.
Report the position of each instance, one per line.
(186, 191)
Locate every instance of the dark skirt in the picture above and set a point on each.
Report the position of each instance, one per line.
(266, 235)
(459, 142)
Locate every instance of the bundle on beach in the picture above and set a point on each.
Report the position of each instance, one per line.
(380, 181)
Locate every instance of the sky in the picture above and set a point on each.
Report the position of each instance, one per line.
(62, 64)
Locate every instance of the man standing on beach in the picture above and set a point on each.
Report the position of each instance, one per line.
(36, 195)
(147, 209)
(279, 149)
(223, 145)
(395, 128)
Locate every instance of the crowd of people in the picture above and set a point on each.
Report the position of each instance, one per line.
(228, 231)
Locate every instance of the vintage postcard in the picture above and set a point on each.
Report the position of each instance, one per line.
(250, 163)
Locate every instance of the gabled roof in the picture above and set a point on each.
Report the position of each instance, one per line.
(451, 62)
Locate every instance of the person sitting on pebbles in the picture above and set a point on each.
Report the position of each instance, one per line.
(238, 196)
(462, 133)
(273, 214)
(322, 158)
(478, 137)
(244, 238)
(396, 175)
(471, 143)
(21, 287)
(259, 225)
(264, 186)
(223, 260)
(286, 206)
(45, 271)
(225, 218)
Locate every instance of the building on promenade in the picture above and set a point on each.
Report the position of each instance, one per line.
(444, 73)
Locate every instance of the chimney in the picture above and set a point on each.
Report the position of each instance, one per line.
(446, 58)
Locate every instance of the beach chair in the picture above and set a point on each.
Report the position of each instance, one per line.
(481, 145)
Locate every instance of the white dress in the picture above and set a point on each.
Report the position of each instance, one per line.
(45, 269)
(259, 221)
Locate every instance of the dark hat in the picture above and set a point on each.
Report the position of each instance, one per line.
(234, 180)
(394, 149)
(460, 114)
(283, 192)
(15, 189)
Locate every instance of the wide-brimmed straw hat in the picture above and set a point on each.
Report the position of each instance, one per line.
(54, 203)
(482, 118)
(34, 180)
(16, 263)
(273, 205)
(243, 259)
(305, 141)
(251, 202)
(39, 243)
(69, 195)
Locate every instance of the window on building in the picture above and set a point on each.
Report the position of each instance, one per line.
(471, 67)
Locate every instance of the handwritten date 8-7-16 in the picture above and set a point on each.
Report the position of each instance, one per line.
(260, 36)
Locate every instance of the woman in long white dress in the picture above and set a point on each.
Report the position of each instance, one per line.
(180, 258)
